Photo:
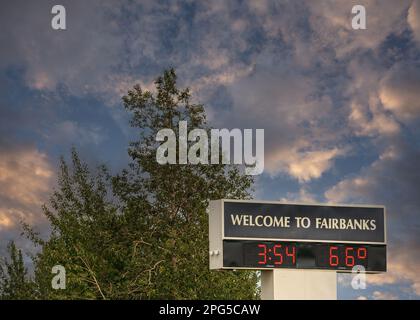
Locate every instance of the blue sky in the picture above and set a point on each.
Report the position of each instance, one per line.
(340, 107)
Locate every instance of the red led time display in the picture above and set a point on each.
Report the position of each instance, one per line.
(303, 255)
(276, 254)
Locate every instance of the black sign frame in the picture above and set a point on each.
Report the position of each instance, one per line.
(337, 237)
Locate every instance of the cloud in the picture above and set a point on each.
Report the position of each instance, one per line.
(395, 167)
(313, 164)
(372, 121)
(294, 68)
(70, 131)
(80, 57)
(319, 32)
(403, 267)
(367, 116)
(109, 45)
(392, 180)
(331, 21)
(137, 39)
(413, 19)
(304, 196)
(303, 165)
(399, 91)
(287, 105)
(303, 134)
(25, 179)
(380, 295)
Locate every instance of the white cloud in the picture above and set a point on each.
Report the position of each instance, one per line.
(303, 165)
(366, 114)
(371, 122)
(413, 19)
(380, 295)
(25, 179)
(313, 164)
(399, 91)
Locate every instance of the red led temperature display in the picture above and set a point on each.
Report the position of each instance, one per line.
(350, 256)
(341, 256)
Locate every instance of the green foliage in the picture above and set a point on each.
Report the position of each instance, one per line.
(142, 234)
(14, 282)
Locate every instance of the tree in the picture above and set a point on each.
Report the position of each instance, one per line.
(175, 198)
(88, 238)
(14, 282)
(141, 234)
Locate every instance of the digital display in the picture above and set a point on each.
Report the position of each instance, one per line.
(303, 255)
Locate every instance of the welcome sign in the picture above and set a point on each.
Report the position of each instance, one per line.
(277, 221)
(267, 235)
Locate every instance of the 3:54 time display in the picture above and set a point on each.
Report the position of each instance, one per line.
(277, 254)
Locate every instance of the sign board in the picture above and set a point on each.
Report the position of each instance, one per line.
(269, 235)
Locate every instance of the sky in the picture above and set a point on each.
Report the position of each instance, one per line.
(340, 107)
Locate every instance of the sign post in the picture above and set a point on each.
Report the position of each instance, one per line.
(299, 248)
(288, 284)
